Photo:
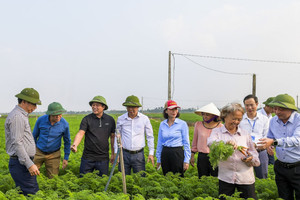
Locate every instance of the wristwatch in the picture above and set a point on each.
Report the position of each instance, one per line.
(275, 142)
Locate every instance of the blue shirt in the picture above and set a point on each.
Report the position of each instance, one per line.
(48, 137)
(173, 136)
(288, 137)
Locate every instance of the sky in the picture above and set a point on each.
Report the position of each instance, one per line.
(72, 50)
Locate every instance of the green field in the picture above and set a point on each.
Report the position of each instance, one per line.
(154, 186)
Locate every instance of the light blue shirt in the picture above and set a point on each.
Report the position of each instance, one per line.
(288, 137)
(173, 136)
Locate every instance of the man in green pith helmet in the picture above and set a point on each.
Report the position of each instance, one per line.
(47, 133)
(97, 128)
(284, 134)
(20, 145)
(134, 127)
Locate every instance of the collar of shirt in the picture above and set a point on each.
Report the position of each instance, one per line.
(22, 110)
(290, 120)
(224, 130)
(175, 122)
(48, 121)
(245, 116)
(127, 117)
(95, 116)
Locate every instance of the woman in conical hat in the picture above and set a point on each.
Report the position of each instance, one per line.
(210, 114)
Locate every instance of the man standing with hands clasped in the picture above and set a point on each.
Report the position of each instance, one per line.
(20, 145)
(134, 126)
(284, 134)
(47, 133)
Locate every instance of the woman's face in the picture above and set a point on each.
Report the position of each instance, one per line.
(232, 120)
(207, 116)
(172, 113)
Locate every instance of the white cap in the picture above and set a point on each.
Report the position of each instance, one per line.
(209, 108)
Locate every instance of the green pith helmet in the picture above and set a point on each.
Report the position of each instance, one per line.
(132, 101)
(30, 95)
(268, 101)
(99, 99)
(55, 108)
(284, 101)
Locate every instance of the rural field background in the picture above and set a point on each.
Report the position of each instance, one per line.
(68, 185)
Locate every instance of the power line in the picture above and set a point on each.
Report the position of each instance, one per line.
(240, 59)
(232, 73)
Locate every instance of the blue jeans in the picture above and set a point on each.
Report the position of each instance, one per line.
(88, 166)
(22, 177)
(136, 162)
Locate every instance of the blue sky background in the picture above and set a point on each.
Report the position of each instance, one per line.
(71, 50)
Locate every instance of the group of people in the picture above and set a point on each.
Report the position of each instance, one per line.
(255, 130)
(258, 133)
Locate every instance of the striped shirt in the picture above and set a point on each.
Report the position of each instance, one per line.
(19, 140)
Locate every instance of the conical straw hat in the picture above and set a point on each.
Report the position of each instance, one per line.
(209, 108)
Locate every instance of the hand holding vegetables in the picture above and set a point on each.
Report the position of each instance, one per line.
(219, 151)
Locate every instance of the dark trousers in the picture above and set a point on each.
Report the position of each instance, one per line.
(134, 161)
(88, 166)
(262, 170)
(247, 191)
(172, 160)
(271, 159)
(22, 177)
(204, 166)
(287, 181)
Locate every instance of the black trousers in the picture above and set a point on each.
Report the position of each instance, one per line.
(172, 160)
(247, 191)
(287, 181)
(204, 166)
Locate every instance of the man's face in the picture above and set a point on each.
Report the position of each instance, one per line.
(132, 111)
(250, 106)
(55, 118)
(98, 108)
(29, 107)
(283, 113)
(269, 109)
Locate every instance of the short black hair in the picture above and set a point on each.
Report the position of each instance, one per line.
(20, 100)
(166, 116)
(250, 96)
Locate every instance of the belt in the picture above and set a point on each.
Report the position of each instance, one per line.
(289, 165)
(134, 152)
(47, 153)
(16, 157)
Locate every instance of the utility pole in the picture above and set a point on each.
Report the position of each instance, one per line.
(297, 101)
(254, 84)
(169, 77)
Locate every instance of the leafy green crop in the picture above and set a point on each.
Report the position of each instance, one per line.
(68, 185)
(219, 151)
